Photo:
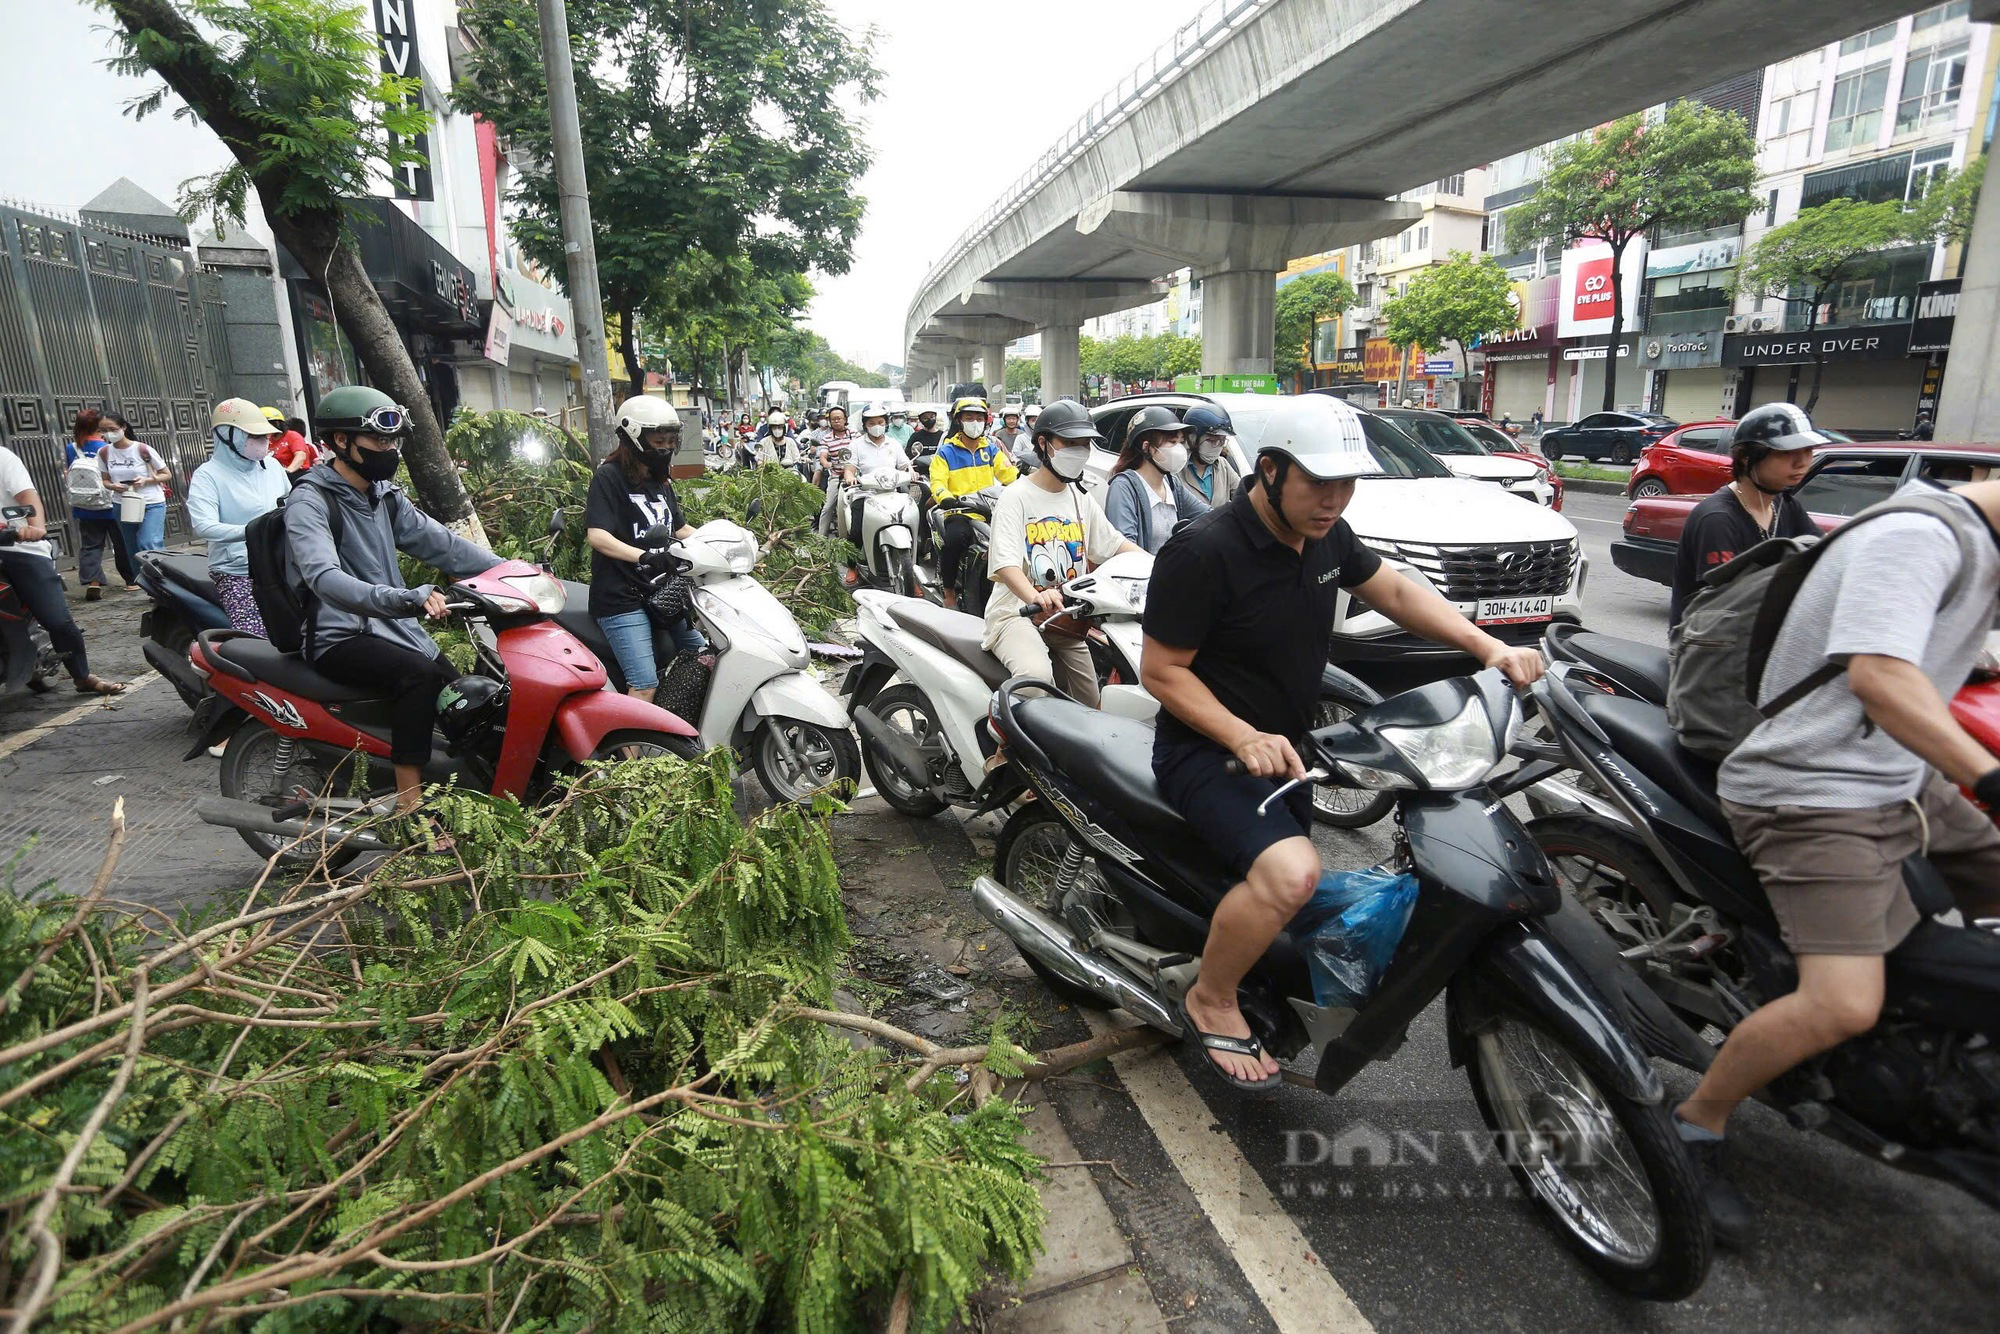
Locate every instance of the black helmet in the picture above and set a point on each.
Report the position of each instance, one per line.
(1771, 429)
(468, 705)
(1067, 419)
(1207, 419)
(1155, 418)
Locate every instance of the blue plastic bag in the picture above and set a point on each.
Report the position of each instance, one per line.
(1349, 931)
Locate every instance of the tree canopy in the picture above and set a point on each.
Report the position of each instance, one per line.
(1024, 375)
(1301, 304)
(1131, 359)
(721, 147)
(1457, 301)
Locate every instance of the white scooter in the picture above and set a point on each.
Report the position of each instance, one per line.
(759, 698)
(888, 537)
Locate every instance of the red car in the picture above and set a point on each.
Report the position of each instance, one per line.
(1505, 446)
(1693, 461)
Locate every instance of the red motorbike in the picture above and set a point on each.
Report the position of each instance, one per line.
(309, 756)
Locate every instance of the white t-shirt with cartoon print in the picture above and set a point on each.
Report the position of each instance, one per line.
(1048, 535)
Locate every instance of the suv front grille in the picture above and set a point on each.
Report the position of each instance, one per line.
(1490, 570)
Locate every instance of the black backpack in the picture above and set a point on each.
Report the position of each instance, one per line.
(285, 604)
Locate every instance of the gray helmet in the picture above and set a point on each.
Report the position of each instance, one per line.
(1155, 418)
(1067, 419)
(1776, 427)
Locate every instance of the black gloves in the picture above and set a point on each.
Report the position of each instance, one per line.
(1987, 789)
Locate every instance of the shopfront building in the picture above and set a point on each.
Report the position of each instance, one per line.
(1869, 383)
(1521, 362)
(1684, 375)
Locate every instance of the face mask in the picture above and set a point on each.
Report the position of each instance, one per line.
(113, 436)
(777, 433)
(1170, 459)
(1209, 451)
(973, 430)
(374, 465)
(1069, 462)
(877, 431)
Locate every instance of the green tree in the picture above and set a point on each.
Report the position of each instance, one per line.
(293, 90)
(1179, 356)
(1946, 209)
(1024, 376)
(715, 132)
(1459, 300)
(1301, 304)
(1691, 169)
(1092, 356)
(1804, 262)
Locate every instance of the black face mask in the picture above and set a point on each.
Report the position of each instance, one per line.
(374, 465)
(657, 461)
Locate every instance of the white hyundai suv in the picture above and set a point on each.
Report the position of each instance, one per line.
(1511, 567)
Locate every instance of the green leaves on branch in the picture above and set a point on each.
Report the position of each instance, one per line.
(1131, 359)
(559, 1082)
(1464, 298)
(1300, 305)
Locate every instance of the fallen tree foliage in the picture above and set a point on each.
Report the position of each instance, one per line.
(581, 1074)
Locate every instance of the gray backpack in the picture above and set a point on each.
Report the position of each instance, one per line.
(1715, 663)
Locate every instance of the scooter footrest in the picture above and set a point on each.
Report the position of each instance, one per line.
(1173, 961)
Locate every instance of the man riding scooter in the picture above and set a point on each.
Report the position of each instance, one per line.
(965, 465)
(874, 458)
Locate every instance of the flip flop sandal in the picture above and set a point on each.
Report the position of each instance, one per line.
(97, 685)
(1234, 1046)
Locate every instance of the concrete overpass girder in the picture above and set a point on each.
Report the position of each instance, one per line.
(1221, 233)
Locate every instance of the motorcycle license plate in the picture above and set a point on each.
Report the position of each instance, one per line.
(1513, 611)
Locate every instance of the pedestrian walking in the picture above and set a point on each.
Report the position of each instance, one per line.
(94, 507)
(137, 475)
(29, 565)
(240, 482)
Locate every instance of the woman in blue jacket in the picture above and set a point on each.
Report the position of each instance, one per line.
(1146, 498)
(239, 482)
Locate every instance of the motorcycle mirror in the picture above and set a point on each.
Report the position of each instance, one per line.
(756, 508)
(558, 521)
(658, 535)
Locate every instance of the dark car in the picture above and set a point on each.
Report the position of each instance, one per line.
(1615, 437)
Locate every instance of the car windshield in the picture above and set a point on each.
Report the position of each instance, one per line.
(1495, 440)
(1440, 435)
(1396, 452)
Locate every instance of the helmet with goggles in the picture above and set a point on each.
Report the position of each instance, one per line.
(359, 409)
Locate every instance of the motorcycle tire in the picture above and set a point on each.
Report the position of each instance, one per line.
(906, 574)
(632, 744)
(1346, 807)
(1676, 1262)
(910, 801)
(252, 746)
(1031, 836)
(835, 759)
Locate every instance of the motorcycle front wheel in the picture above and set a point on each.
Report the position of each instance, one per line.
(1607, 1170)
(795, 759)
(258, 768)
(908, 710)
(905, 566)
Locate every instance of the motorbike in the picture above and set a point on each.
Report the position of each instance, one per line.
(27, 659)
(887, 540)
(757, 695)
(1108, 893)
(921, 693)
(184, 603)
(1661, 876)
(297, 738)
(972, 585)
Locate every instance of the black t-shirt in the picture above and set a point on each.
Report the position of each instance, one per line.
(624, 509)
(1258, 614)
(1718, 530)
(923, 442)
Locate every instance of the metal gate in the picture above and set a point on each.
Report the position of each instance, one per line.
(95, 317)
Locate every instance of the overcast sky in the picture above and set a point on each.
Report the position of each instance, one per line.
(942, 154)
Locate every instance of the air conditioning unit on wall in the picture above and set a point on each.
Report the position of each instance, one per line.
(1749, 324)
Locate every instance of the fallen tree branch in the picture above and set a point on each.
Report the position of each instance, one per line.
(84, 907)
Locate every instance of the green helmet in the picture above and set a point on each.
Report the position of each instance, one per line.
(356, 407)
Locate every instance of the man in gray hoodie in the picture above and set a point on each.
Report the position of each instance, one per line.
(364, 629)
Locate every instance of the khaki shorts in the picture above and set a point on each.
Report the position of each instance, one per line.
(1835, 877)
(1063, 660)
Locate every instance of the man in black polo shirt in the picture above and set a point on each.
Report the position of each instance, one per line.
(1239, 617)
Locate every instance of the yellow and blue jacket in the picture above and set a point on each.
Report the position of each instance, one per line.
(961, 467)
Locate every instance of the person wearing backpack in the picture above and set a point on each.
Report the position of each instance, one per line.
(1852, 762)
(1770, 452)
(344, 523)
(134, 468)
(93, 506)
(239, 482)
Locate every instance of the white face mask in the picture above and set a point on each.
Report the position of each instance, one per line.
(1170, 459)
(1209, 450)
(112, 435)
(1069, 462)
(877, 431)
(973, 430)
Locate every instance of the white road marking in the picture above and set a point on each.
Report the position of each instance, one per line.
(77, 714)
(1584, 518)
(1292, 1283)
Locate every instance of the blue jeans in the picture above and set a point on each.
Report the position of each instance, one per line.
(150, 533)
(634, 642)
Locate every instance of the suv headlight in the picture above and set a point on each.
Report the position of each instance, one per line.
(1452, 755)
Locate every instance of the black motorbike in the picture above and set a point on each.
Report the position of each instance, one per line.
(1108, 893)
(27, 660)
(184, 603)
(973, 585)
(1658, 870)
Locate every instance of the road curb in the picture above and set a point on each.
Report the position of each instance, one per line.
(1594, 488)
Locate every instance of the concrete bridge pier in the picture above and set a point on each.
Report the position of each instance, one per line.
(1238, 315)
(993, 371)
(1969, 402)
(1062, 361)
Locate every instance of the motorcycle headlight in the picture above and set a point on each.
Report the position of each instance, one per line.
(739, 553)
(1133, 591)
(539, 590)
(1451, 755)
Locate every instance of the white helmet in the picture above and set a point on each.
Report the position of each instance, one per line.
(644, 413)
(875, 410)
(776, 418)
(1323, 436)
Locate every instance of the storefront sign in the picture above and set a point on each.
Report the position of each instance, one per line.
(1349, 367)
(1533, 302)
(1380, 361)
(399, 56)
(1701, 257)
(1439, 366)
(499, 334)
(1927, 394)
(1869, 342)
(1587, 302)
(1593, 353)
(1539, 354)
(1937, 313)
(1681, 351)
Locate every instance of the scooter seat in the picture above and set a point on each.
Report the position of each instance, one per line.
(186, 571)
(1639, 733)
(287, 671)
(1110, 756)
(1639, 668)
(952, 631)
